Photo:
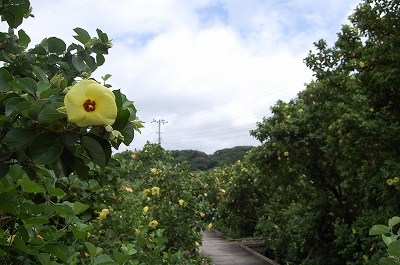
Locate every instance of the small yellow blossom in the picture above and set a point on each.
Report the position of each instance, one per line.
(288, 116)
(129, 190)
(286, 106)
(201, 214)
(365, 257)
(155, 190)
(133, 155)
(153, 224)
(196, 244)
(145, 209)
(362, 64)
(222, 191)
(153, 170)
(146, 192)
(354, 231)
(10, 239)
(389, 182)
(181, 202)
(89, 103)
(396, 179)
(209, 226)
(273, 144)
(103, 214)
(300, 110)
(286, 154)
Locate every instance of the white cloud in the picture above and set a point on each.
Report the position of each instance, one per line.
(211, 68)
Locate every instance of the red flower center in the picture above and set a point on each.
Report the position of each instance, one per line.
(89, 105)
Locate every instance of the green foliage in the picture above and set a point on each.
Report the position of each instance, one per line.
(390, 238)
(327, 168)
(200, 161)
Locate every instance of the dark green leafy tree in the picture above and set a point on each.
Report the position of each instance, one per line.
(339, 138)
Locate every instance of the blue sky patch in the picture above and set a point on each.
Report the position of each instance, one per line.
(208, 15)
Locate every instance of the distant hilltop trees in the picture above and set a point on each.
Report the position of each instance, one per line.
(201, 161)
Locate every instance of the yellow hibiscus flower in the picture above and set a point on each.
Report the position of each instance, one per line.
(181, 202)
(153, 224)
(89, 103)
(155, 190)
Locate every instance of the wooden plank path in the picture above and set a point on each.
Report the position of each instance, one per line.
(226, 252)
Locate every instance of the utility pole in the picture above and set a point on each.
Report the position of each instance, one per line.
(159, 127)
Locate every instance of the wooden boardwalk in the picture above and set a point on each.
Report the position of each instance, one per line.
(226, 252)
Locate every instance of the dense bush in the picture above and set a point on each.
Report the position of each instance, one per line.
(327, 168)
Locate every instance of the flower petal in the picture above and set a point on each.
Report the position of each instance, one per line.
(107, 108)
(95, 89)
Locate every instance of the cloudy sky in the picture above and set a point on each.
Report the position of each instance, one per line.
(209, 68)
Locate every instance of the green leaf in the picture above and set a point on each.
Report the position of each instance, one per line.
(13, 15)
(100, 48)
(94, 150)
(59, 250)
(38, 220)
(83, 36)
(44, 258)
(128, 133)
(12, 105)
(46, 147)
(19, 138)
(120, 257)
(9, 202)
(40, 74)
(80, 207)
(50, 112)
(91, 248)
(121, 119)
(23, 38)
(4, 167)
(386, 261)
(56, 192)
(103, 260)
(394, 221)
(39, 50)
(394, 248)
(56, 45)
(70, 138)
(100, 59)
(5, 79)
(42, 86)
(378, 230)
(30, 85)
(79, 63)
(31, 186)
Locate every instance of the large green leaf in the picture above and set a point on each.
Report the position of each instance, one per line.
(79, 63)
(394, 248)
(378, 230)
(23, 38)
(94, 150)
(18, 138)
(46, 147)
(31, 186)
(5, 79)
(13, 15)
(50, 112)
(59, 250)
(44, 258)
(121, 119)
(387, 261)
(104, 260)
(40, 74)
(30, 85)
(83, 36)
(56, 45)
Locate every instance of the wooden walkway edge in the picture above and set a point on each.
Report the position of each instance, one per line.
(224, 252)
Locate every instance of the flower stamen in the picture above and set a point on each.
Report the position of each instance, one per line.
(89, 105)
